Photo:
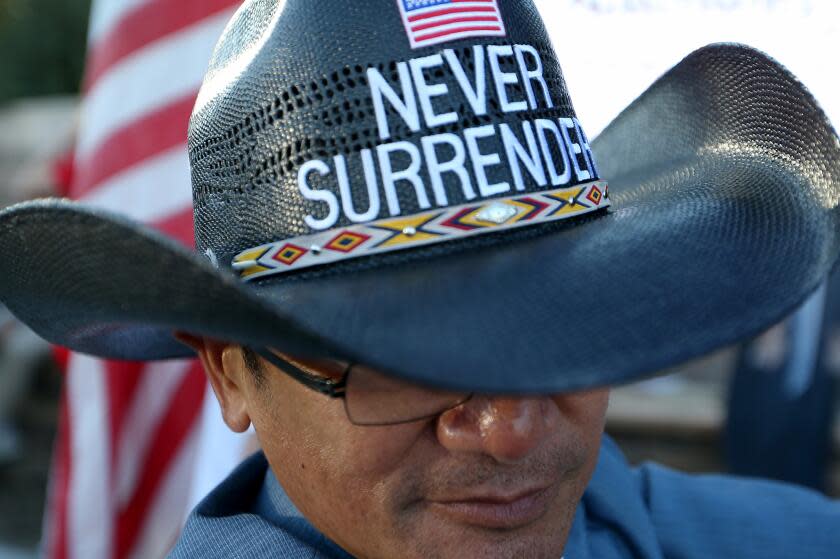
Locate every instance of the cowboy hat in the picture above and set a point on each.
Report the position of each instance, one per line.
(405, 183)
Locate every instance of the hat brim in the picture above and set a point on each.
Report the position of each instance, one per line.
(725, 181)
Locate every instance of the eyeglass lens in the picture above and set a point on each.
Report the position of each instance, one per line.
(373, 398)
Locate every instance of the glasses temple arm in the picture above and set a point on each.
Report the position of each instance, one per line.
(328, 387)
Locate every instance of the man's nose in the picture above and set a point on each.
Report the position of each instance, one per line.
(508, 429)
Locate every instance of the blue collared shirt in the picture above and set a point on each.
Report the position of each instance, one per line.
(648, 512)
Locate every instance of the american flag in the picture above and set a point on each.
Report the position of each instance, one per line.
(129, 433)
(429, 22)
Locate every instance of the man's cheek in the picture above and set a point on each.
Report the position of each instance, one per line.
(374, 453)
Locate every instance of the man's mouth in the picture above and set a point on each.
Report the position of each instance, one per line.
(500, 510)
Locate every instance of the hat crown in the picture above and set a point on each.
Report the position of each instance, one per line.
(320, 115)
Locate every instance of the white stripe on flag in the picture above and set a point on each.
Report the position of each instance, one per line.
(105, 14)
(149, 404)
(161, 529)
(149, 79)
(154, 190)
(90, 516)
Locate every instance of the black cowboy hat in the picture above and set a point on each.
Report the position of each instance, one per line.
(471, 262)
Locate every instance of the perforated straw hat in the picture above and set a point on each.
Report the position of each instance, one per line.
(405, 184)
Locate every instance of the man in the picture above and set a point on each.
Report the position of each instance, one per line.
(419, 286)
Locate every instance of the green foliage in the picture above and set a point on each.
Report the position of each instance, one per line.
(42, 46)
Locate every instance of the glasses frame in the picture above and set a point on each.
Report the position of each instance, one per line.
(327, 387)
(337, 389)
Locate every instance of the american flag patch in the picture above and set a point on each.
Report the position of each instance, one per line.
(429, 22)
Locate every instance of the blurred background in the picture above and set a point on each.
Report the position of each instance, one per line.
(101, 460)
(43, 52)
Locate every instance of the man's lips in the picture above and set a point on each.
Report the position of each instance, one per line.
(496, 509)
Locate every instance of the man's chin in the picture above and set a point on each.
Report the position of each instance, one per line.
(521, 543)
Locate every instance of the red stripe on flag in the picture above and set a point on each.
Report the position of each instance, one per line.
(179, 226)
(454, 20)
(457, 30)
(447, 11)
(61, 356)
(131, 146)
(175, 426)
(146, 24)
(140, 140)
(122, 379)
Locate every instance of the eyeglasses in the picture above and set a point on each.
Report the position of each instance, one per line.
(370, 397)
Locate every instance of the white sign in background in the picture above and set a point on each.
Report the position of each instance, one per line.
(612, 50)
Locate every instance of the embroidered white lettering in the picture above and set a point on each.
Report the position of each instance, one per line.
(406, 108)
(476, 96)
(587, 150)
(504, 79)
(410, 174)
(455, 165)
(347, 195)
(516, 153)
(324, 196)
(480, 161)
(531, 75)
(543, 126)
(567, 124)
(426, 91)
